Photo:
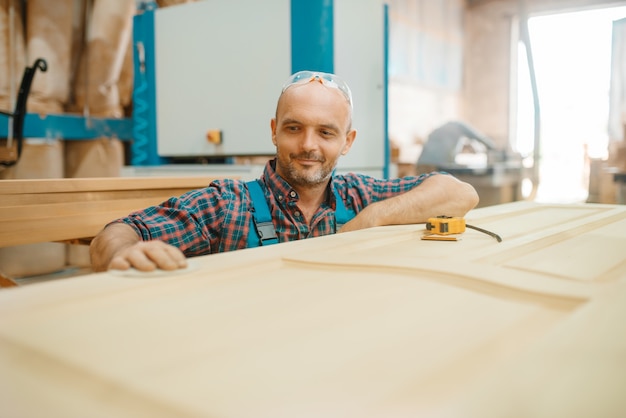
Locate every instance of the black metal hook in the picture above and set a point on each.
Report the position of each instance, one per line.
(41, 64)
(20, 107)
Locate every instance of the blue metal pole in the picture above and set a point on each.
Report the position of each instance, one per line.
(312, 41)
(144, 146)
(387, 145)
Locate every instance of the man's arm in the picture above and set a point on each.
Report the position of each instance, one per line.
(437, 195)
(119, 247)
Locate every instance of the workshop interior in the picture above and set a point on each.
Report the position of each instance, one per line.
(124, 89)
(513, 308)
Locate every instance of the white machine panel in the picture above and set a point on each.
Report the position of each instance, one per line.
(359, 59)
(219, 66)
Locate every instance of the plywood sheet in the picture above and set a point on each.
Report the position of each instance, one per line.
(372, 323)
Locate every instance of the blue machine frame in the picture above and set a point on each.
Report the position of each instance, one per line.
(144, 147)
(311, 48)
(70, 127)
(311, 27)
(387, 150)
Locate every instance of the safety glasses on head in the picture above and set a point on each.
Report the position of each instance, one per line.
(327, 79)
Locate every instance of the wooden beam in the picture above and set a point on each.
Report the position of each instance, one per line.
(33, 211)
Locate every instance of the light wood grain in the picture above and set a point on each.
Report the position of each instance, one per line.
(46, 186)
(42, 210)
(371, 323)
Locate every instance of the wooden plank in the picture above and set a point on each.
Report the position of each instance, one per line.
(59, 222)
(41, 210)
(25, 186)
(10, 202)
(52, 211)
(371, 323)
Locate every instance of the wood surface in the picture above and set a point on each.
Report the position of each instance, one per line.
(371, 323)
(43, 210)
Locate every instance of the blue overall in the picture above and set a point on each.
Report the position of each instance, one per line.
(262, 231)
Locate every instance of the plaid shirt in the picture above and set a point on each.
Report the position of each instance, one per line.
(217, 218)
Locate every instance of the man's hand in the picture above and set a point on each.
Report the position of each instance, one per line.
(119, 247)
(148, 256)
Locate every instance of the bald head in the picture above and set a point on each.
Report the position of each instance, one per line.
(316, 99)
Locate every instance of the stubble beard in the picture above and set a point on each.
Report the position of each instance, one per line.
(300, 177)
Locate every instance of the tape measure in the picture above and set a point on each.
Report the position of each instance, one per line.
(445, 225)
(441, 227)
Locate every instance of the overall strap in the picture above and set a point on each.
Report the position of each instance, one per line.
(262, 231)
(342, 215)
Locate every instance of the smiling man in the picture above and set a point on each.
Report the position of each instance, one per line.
(298, 192)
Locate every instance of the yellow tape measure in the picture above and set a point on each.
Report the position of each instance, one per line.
(438, 228)
(444, 225)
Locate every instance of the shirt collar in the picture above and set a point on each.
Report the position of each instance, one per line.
(279, 187)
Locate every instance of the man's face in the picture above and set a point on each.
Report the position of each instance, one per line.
(312, 129)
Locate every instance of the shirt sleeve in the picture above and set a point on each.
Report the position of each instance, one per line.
(358, 191)
(194, 222)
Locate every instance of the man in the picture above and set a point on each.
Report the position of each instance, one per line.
(311, 130)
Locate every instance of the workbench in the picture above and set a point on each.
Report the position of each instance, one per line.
(74, 210)
(370, 323)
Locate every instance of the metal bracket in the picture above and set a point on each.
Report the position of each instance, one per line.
(20, 109)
